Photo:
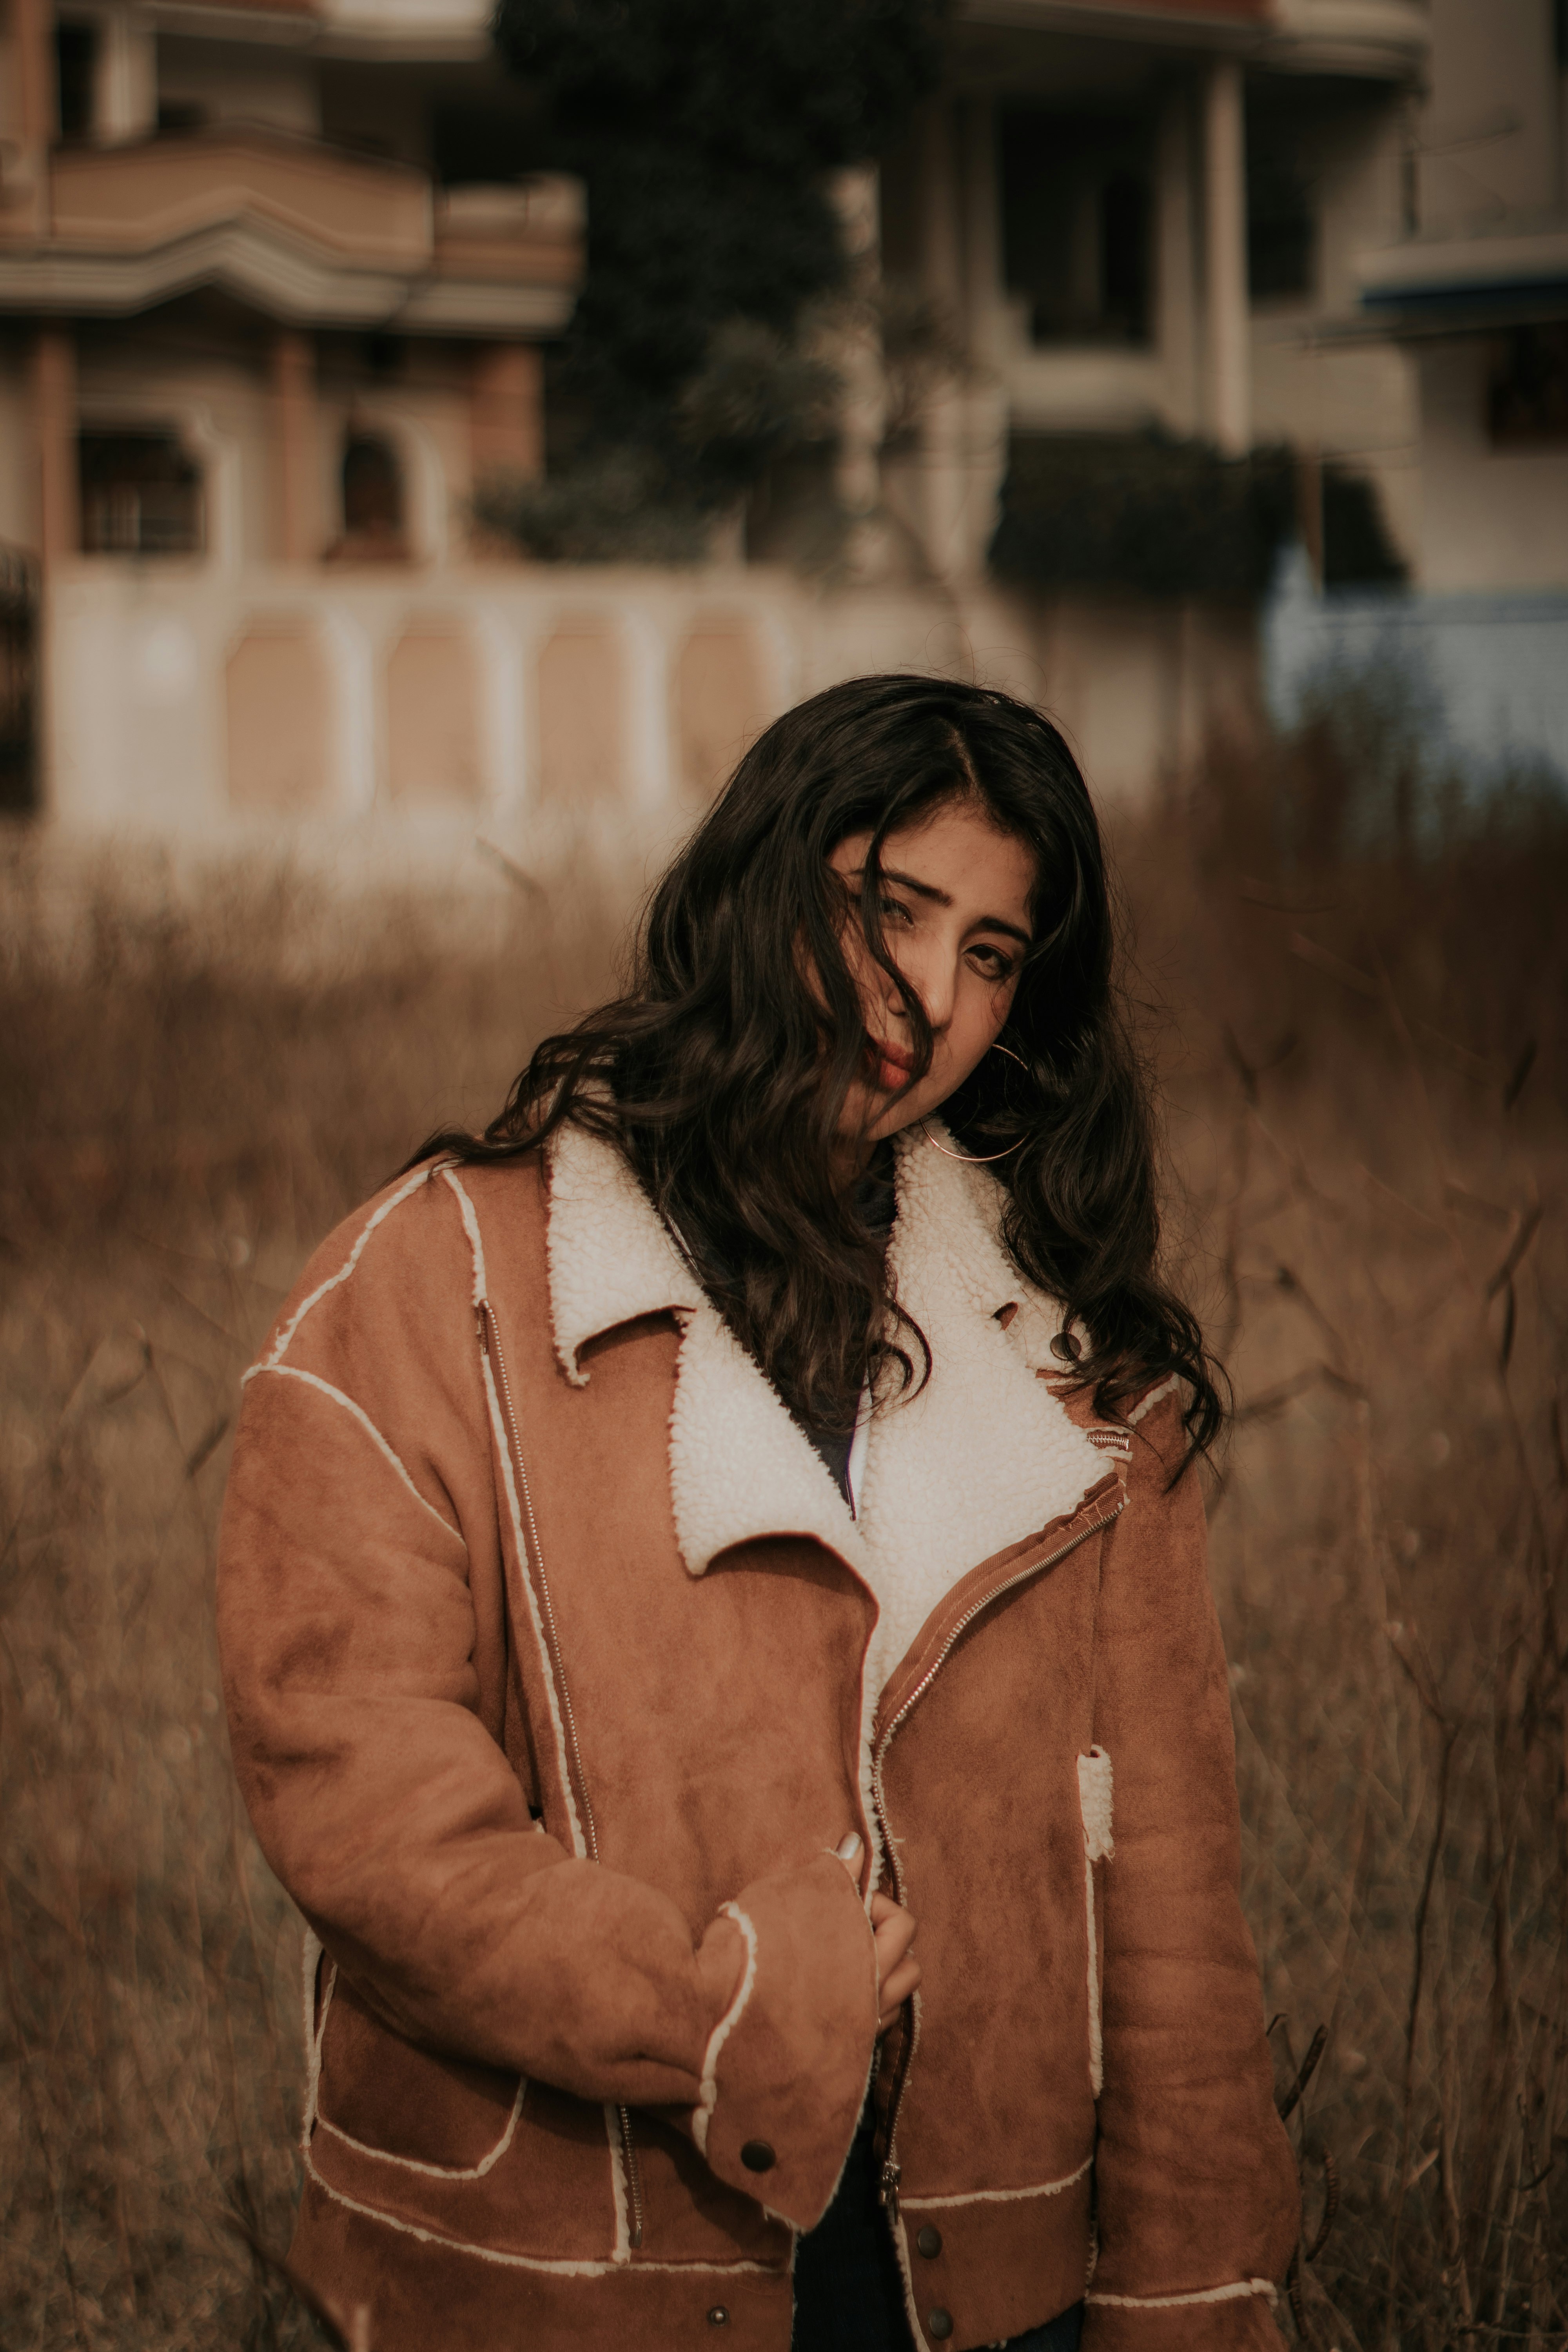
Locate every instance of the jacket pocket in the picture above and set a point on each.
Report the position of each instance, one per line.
(1094, 1799)
(451, 2152)
(388, 2098)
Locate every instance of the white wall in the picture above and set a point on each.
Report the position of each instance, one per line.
(1488, 674)
(137, 651)
(1491, 127)
(1492, 518)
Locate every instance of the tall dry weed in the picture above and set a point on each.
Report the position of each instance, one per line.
(193, 1092)
(1363, 1046)
(1363, 1056)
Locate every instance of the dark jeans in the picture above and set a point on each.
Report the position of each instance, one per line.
(848, 2296)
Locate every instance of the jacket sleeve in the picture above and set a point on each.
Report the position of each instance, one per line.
(1198, 2199)
(350, 1603)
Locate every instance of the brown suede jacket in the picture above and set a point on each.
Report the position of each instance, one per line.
(556, 1668)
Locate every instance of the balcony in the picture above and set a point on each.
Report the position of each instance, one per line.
(1384, 39)
(1506, 271)
(300, 230)
(432, 30)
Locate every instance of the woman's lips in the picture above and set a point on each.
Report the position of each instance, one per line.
(894, 1067)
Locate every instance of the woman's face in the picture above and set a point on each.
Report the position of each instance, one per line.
(955, 894)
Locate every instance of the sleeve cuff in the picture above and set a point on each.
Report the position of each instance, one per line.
(785, 2068)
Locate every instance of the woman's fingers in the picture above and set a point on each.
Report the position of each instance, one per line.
(893, 1928)
(895, 1991)
(898, 1970)
(893, 1931)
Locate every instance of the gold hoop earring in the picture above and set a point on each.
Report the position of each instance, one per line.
(978, 1159)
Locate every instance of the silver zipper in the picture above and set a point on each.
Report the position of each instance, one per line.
(489, 1340)
(892, 2172)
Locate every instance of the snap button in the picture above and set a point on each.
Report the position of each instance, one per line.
(928, 2241)
(757, 2155)
(939, 2323)
(718, 2317)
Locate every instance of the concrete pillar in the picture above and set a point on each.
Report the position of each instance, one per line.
(1310, 508)
(125, 92)
(1225, 255)
(54, 442)
(984, 293)
(986, 408)
(506, 414)
(35, 102)
(648, 745)
(1176, 267)
(858, 355)
(52, 371)
(296, 430)
(942, 428)
(502, 708)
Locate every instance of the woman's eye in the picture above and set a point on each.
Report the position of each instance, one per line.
(993, 963)
(894, 910)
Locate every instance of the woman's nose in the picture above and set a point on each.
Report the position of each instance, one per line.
(931, 976)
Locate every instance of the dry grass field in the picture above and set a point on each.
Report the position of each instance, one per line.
(1368, 1084)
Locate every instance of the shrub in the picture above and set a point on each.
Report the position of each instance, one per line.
(1158, 517)
(705, 131)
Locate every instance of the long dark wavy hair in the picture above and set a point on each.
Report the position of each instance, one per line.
(722, 1071)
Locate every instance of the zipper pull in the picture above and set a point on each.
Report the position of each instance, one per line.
(892, 2174)
(481, 1327)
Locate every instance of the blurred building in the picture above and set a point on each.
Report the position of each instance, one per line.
(275, 283)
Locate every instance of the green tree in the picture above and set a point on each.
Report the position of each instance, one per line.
(705, 131)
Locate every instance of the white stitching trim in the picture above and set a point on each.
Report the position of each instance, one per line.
(708, 2097)
(311, 1960)
(285, 1336)
(1095, 1795)
(996, 2196)
(1237, 2293)
(559, 2267)
(437, 2171)
(315, 2036)
(1155, 1396)
(313, 1380)
(503, 1452)
(906, 2269)
(1094, 1799)
(619, 2190)
(471, 1227)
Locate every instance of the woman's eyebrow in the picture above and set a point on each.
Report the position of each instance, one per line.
(944, 898)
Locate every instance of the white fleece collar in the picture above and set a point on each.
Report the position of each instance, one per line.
(983, 1456)
(611, 1257)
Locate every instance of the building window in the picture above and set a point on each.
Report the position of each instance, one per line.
(1281, 221)
(1077, 228)
(141, 494)
(76, 72)
(372, 496)
(18, 680)
(1528, 397)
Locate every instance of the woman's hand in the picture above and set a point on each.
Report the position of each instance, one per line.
(893, 1930)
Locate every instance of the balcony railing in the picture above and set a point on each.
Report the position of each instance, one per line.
(304, 229)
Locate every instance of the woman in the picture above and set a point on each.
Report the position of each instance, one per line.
(736, 1509)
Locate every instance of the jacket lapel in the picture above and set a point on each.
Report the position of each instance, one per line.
(982, 1456)
(740, 1465)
